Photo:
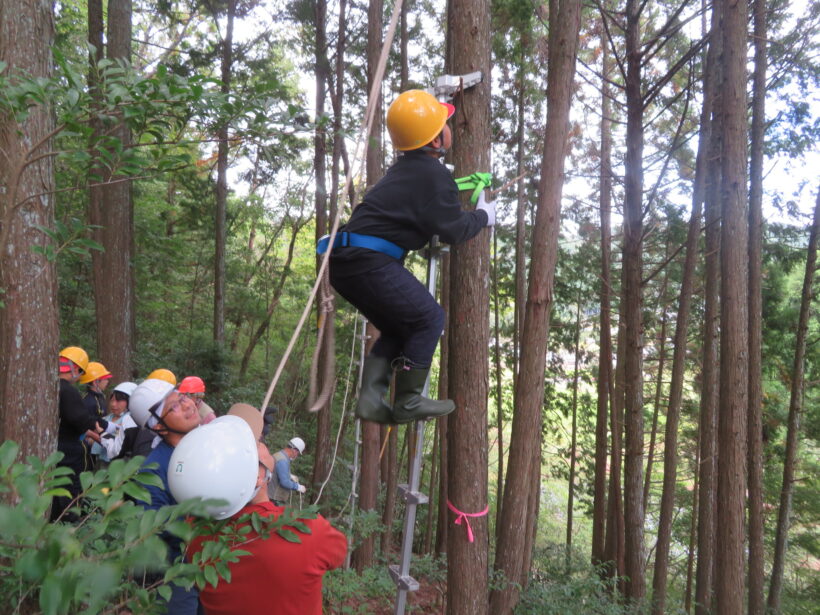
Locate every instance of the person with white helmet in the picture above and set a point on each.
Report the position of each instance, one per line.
(157, 405)
(110, 446)
(74, 422)
(284, 483)
(278, 576)
(415, 200)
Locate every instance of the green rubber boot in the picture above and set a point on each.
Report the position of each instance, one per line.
(375, 380)
(410, 405)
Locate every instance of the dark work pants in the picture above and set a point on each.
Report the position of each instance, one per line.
(399, 306)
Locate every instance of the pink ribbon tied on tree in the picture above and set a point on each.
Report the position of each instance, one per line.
(460, 515)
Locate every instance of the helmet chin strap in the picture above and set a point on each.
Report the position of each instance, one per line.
(440, 151)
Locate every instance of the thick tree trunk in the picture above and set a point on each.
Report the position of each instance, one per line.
(795, 410)
(371, 433)
(631, 310)
(327, 320)
(614, 543)
(112, 272)
(573, 449)
(670, 456)
(757, 554)
(28, 315)
(369, 475)
(734, 346)
(499, 405)
(707, 436)
(468, 49)
(517, 513)
(653, 432)
(443, 513)
(220, 215)
(604, 381)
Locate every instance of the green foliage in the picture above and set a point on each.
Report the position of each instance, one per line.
(96, 564)
(346, 592)
(554, 590)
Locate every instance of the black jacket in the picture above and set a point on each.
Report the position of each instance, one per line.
(416, 199)
(95, 404)
(74, 422)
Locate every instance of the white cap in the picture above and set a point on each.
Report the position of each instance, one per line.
(298, 444)
(216, 461)
(146, 401)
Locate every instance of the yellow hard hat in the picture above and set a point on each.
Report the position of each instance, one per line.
(415, 118)
(95, 371)
(163, 374)
(76, 355)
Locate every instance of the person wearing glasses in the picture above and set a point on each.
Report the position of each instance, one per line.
(158, 406)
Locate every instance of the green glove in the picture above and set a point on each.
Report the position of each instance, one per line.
(476, 182)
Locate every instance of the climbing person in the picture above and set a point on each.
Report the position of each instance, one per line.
(163, 374)
(283, 482)
(416, 199)
(278, 575)
(194, 387)
(74, 422)
(157, 406)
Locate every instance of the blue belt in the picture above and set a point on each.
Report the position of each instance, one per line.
(354, 240)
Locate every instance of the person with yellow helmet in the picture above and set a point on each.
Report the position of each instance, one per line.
(416, 199)
(163, 374)
(74, 422)
(96, 379)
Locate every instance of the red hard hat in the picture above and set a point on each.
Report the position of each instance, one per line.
(191, 384)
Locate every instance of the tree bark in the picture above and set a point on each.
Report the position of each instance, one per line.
(734, 346)
(653, 432)
(28, 315)
(795, 410)
(371, 441)
(707, 428)
(679, 345)
(604, 382)
(220, 215)
(631, 310)
(573, 449)
(443, 513)
(369, 475)
(468, 49)
(517, 513)
(113, 273)
(757, 554)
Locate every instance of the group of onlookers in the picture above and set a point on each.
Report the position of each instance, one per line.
(151, 419)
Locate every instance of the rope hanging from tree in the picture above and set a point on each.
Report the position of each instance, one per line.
(367, 124)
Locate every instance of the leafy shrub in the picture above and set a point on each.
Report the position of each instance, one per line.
(98, 564)
(556, 590)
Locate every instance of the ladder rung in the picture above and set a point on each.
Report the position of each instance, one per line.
(412, 497)
(403, 582)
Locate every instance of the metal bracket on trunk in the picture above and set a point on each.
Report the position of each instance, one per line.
(447, 85)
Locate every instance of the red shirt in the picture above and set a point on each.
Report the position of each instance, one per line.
(279, 576)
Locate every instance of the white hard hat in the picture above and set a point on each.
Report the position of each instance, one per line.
(126, 387)
(298, 444)
(216, 461)
(147, 398)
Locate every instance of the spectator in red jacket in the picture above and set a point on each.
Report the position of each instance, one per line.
(278, 576)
